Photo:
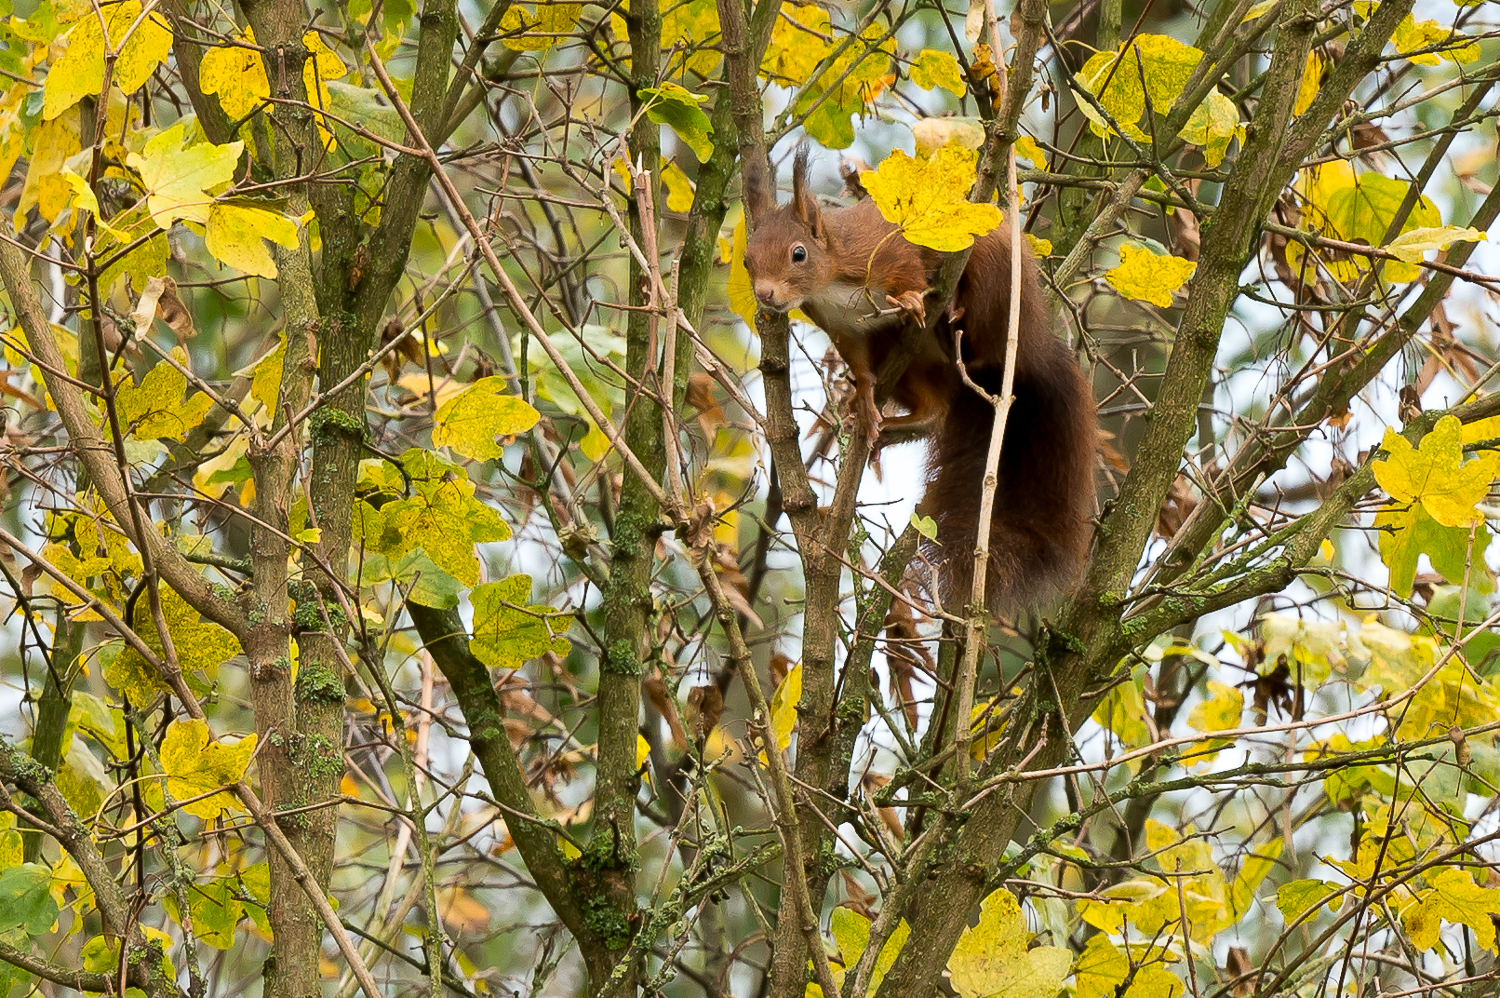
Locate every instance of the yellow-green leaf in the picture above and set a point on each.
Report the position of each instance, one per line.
(79, 71)
(994, 959)
(1145, 276)
(507, 631)
(1436, 475)
(936, 68)
(237, 232)
(1452, 897)
(181, 182)
(1220, 711)
(195, 763)
(202, 646)
(470, 421)
(525, 31)
(1303, 895)
(929, 199)
(1213, 125)
(1410, 245)
(154, 409)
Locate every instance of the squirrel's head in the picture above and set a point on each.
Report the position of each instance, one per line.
(788, 254)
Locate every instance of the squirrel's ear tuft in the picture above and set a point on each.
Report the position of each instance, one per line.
(803, 203)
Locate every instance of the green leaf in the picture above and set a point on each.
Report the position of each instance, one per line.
(936, 68)
(507, 631)
(26, 898)
(670, 104)
(214, 908)
(929, 199)
(237, 231)
(364, 107)
(1301, 896)
(1144, 276)
(195, 763)
(926, 526)
(992, 959)
(181, 182)
(470, 421)
(1408, 532)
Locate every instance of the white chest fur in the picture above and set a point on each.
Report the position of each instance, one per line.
(851, 309)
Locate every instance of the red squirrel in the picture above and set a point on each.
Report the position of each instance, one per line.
(856, 277)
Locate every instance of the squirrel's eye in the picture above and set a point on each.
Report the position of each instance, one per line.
(799, 253)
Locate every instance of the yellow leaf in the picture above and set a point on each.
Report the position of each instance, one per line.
(784, 707)
(1455, 898)
(595, 444)
(1144, 276)
(1027, 149)
(936, 68)
(471, 420)
(1220, 711)
(1435, 474)
(52, 144)
(1041, 247)
(237, 234)
(79, 71)
(180, 182)
(195, 763)
(994, 959)
(1312, 78)
(928, 199)
(741, 293)
(679, 187)
(237, 75)
(1410, 245)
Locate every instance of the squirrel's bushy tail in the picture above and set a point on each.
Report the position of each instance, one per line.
(1040, 532)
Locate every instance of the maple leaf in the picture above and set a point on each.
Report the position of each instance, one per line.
(195, 763)
(470, 421)
(929, 199)
(1452, 897)
(935, 68)
(1145, 276)
(992, 960)
(237, 232)
(79, 71)
(507, 631)
(237, 75)
(1435, 474)
(181, 182)
(154, 409)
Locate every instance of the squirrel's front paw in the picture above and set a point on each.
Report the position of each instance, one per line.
(910, 302)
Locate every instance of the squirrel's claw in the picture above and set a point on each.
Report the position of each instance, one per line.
(910, 302)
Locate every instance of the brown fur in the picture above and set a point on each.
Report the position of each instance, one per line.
(855, 264)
